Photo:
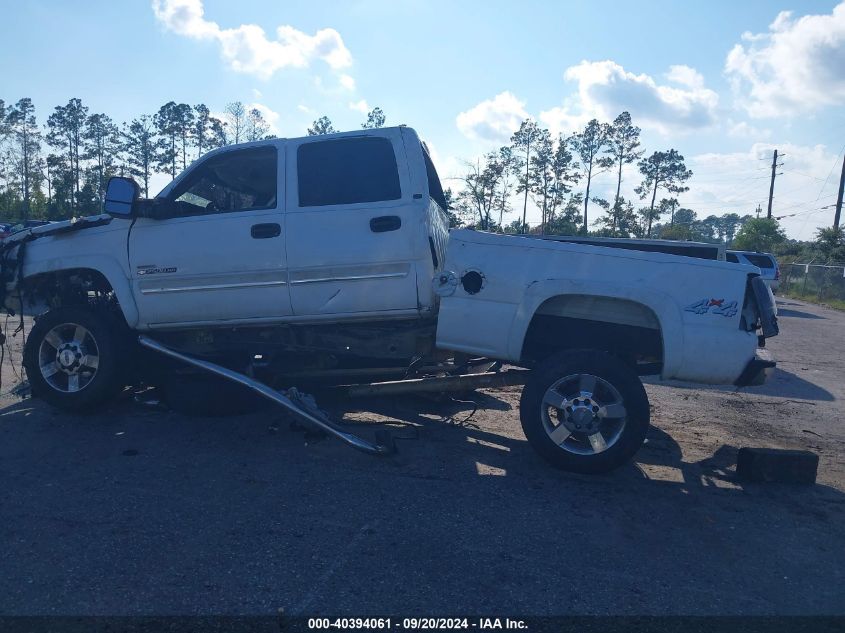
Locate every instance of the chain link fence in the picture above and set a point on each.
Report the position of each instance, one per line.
(814, 282)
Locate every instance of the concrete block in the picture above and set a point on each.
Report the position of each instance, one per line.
(777, 465)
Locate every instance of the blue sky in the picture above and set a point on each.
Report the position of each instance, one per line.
(722, 82)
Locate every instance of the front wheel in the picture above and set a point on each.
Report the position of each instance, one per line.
(585, 411)
(73, 358)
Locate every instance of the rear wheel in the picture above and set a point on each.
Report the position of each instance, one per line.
(585, 411)
(73, 358)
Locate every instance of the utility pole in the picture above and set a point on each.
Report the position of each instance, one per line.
(839, 197)
(759, 210)
(772, 186)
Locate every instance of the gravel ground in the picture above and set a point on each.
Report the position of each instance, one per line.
(140, 511)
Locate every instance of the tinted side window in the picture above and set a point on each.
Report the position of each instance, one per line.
(760, 261)
(239, 180)
(731, 257)
(347, 171)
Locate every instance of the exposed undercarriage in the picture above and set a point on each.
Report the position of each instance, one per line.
(328, 353)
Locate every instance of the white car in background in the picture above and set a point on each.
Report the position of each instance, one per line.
(766, 262)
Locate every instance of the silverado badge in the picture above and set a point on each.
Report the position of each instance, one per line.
(152, 270)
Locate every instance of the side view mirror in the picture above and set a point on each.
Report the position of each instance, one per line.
(121, 194)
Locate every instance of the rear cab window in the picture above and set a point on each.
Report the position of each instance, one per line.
(760, 261)
(347, 171)
(435, 188)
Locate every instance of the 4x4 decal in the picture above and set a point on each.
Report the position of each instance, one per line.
(713, 306)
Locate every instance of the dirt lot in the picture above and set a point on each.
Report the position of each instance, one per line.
(139, 511)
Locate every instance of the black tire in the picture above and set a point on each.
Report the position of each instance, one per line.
(109, 343)
(628, 431)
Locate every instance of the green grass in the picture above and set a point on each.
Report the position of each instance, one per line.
(836, 304)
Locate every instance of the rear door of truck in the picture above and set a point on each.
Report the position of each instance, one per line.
(351, 225)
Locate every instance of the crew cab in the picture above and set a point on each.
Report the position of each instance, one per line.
(328, 258)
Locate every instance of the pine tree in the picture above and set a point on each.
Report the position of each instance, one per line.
(21, 124)
(323, 125)
(541, 176)
(208, 132)
(183, 117)
(140, 145)
(201, 128)
(481, 190)
(375, 119)
(217, 136)
(256, 127)
(622, 148)
(65, 129)
(523, 141)
(589, 145)
(236, 121)
(101, 140)
(661, 170)
(564, 175)
(166, 122)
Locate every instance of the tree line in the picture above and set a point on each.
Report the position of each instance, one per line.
(60, 169)
(537, 166)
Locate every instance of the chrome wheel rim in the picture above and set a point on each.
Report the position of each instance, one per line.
(583, 414)
(68, 358)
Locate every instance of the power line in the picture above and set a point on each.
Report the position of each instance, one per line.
(746, 190)
(800, 173)
(804, 186)
(750, 202)
(830, 173)
(747, 179)
(726, 170)
(805, 203)
(805, 212)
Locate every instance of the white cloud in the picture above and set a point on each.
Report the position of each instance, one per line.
(686, 76)
(347, 82)
(247, 48)
(742, 129)
(605, 89)
(797, 66)
(304, 108)
(494, 119)
(256, 93)
(359, 106)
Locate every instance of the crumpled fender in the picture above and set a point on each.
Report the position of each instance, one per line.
(109, 267)
(663, 306)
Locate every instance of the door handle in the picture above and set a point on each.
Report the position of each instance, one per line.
(263, 231)
(385, 223)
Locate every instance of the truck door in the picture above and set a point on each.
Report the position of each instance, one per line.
(352, 230)
(221, 258)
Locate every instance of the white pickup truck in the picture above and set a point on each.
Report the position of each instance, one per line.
(328, 258)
